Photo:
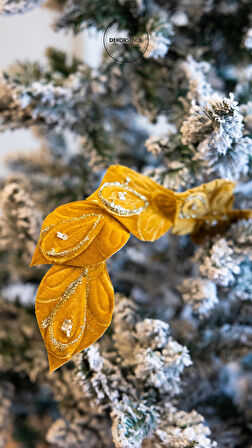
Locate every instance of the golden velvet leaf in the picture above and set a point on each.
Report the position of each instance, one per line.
(79, 234)
(212, 199)
(75, 299)
(144, 207)
(74, 307)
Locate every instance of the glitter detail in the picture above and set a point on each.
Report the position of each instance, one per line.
(48, 322)
(45, 323)
(190, 198)
(118, 209)
(66, 252)
(62, 236)
(67, 326)
(121, 196)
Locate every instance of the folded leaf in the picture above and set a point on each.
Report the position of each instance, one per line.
(74, 307)
(144, 207)
(205, 201)
(79, 234)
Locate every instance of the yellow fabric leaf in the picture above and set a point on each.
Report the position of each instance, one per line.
(144, 207)
(75, 299)
(74, 307)
(79, 234)
(207, 200)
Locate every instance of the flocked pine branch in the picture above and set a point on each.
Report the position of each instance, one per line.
(144, 358)
(224, 270)
(8, 7)
(19, 223)
(176, 103)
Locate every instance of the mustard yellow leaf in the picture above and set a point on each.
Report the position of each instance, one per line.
(79, 234)
(205, 201)
(74, 307)
(144, 207)
(75, 299)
